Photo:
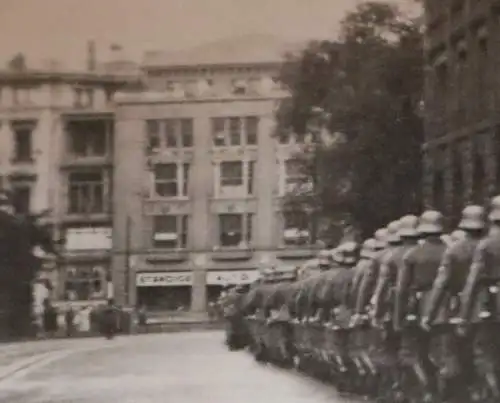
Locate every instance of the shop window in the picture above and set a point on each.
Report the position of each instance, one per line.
(87, 193)
(296, 228)
(170, 231)
(85, 283)
(235, 230)
(172, 298)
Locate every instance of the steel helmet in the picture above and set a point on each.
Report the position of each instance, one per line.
(349, 252)
(495, 209)
(472, 218)
(324, 257)
(393, 232)
(381, 238)
(369, 248)
(431, 222)
(408, 226)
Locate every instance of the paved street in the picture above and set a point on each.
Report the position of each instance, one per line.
(177, 367)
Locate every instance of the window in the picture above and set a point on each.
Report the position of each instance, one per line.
(88, 138)
(21, 198)
(170, 133)
(218, 131)
(170, 231)
(235, 131)
(296, 228)
(175, 133)
(171, 180)
(85, 283)
(23, 138)
(231, 173)
(294, 175)
(86, 193)
(235, 179)
(251, 130)
(235, 230)
(153, 135)
(166, 180)
(186, 133)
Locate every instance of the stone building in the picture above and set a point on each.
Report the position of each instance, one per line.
(462, 100)
(199, 176)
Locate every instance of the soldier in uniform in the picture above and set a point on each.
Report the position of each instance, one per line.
(456, 355)
(359, 337)
(400, 243)
(418, 272)
(479, 305)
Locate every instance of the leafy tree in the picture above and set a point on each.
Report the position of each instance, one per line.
(17, 63)
(18, 268)
(366, 88)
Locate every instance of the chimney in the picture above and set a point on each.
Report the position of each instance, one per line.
(91, 56)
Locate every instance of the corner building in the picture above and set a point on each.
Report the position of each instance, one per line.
(462, 100)
(56, 155)
(199, 177)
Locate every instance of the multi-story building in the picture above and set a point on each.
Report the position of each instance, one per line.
(56, 154)
(462, 100)
(199, 177)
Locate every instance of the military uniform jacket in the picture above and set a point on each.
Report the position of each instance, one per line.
(484, 271)
(450, 280)
(369, 281)
(418, 272)
(385, 275)
(355, 284)
(391, 267)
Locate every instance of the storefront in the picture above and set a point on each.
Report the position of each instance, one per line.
(85, 273)
(165, 291)
(218, 279)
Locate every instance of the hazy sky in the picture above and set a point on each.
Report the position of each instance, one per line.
(59, 29)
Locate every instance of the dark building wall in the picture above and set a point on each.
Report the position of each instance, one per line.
(462, 138)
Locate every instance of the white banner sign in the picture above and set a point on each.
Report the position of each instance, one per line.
(163, 279)
(232, 277)
(89, 239)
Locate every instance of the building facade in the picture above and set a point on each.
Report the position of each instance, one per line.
(199, 177)
(56, 155)
(462, 100)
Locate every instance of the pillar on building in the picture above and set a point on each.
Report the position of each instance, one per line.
(199, 287)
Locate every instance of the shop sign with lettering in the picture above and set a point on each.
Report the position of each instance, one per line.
(232, 277)
(163, 279)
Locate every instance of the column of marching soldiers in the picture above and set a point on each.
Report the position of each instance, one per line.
(411, 315)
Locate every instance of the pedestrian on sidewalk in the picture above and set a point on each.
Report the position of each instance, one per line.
(49, 318)
(70, 322)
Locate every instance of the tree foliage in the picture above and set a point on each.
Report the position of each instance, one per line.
(366, 89)
(18, 269)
